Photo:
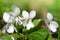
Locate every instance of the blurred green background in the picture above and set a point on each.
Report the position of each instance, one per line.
(41, 6)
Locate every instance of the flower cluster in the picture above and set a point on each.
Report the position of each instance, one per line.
(13, 17)
(25, 20)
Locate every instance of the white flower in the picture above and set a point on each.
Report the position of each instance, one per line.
(9, 28)
(52, 25)
(28, 16)
(10, 18)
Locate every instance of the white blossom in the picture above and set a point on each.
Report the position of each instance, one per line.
(9, 28)
(28, 18)
(52, 25)
(10, 18)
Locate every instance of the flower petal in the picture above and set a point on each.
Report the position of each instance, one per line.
(15, 29)
(30, 25)
(49, 16)
(24, 23)
(6, 17)
(25, 14)
(54, 23)
(11, 19)
(5, 28)
(32, 14)
(52, 28)
(12, 14)
(10, 29)
(16, 19)
(16, 10)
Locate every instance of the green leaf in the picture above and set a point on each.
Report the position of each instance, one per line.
(49, 37)
(36, 21)
(39, 35)
(24, 29)
(19, 35)
(19, 28)
(59, 38)
(58, 30)
(6, 37)
(58, 35)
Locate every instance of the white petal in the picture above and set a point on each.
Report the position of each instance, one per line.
(16, 10)
(11, 19)
(24, 23)
(5, 28)
(54, 23)
(32, 14)
(13, 14)
(52, 28)
(21, 18)
(6, 17)
(49, 16)
(15, 29)
(16, 20)
(10, 29)
(12, 38)
(19, 21)
(25, 14)
(30, 25)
